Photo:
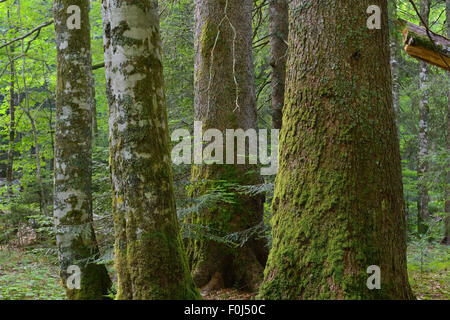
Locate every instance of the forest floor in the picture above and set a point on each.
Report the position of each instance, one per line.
(31, 273)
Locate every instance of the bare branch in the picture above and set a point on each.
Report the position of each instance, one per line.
(37, 29)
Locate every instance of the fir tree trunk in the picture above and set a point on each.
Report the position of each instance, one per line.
(75, 236)
(279, 31)
(225, 99)
(423, 143)
(338, 201)
(149, 256)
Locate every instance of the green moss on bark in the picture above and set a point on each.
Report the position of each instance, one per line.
(338, 201)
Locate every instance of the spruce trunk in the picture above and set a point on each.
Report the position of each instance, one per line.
(225, 99)
(338, 201)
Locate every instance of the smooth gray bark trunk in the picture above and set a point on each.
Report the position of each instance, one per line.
(77, 245)
(149, 256)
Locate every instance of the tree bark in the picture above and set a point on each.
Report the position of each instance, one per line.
(423, 143)
(149, 256)
(225, 99)
(447, 190)
(394, 46)
(12, 124)
(279, 31)
(75, 235)
(338, 202)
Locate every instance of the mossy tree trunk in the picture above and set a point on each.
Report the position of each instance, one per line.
(338, 201)
(75, 236)
(149, 256)
(423, 142)
(225, 99)
(279, 31)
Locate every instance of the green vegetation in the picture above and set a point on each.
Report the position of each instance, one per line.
(28, 73)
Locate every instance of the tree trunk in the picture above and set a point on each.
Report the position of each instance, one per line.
(75, 235)
(279, 31)
(338, 202)
(37, 154)
(423, 143)
(149, 256)
(225, 99)
(12, 124)
(26, 109)
(394, 45)
(94, 112)
(447, 191)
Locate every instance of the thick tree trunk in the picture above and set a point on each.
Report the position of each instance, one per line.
(423, 143)
(225, 99)
(73, 167)
(149, 256)
(279, 31)
(338, 201)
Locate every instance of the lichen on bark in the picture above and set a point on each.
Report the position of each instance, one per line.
(72, 177)
(149, 257)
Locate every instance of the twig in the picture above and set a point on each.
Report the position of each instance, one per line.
(28, 34)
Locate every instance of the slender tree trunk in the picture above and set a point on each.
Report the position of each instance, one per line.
(12, 124)
(338, 202)
(423, 143)
(447, 202)
(12, 121)
(225, 99)
(395, 50)
(149, 256)
(279, 31)
(94, 112)
(37, 154)
(43, 200)
(75, 235)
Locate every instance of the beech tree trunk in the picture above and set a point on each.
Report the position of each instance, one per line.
(149, 258)
(338, 202)
(75, 236)
(225, 99)
(423, 143)
(279, 31)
